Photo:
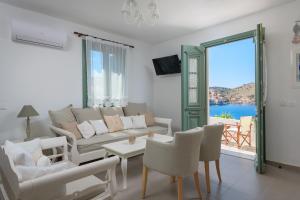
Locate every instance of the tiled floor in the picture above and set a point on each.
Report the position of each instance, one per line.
(240, 182)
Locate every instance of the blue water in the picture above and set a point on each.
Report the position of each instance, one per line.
(236, 110)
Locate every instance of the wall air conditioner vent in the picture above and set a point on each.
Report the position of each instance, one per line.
(33, 34)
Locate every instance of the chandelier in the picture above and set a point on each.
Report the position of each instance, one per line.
(132, 13)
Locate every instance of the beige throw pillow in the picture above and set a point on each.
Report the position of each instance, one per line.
(149, 118)
(72, 127)
(114, 123)
(61, 116)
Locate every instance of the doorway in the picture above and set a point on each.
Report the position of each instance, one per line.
(195, 84)
(231, 95)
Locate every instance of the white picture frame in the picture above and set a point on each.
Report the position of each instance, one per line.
(295, 64)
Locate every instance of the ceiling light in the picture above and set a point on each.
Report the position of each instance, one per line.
(132, 13)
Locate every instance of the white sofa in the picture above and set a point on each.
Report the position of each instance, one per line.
(74, 182)
(83, 150)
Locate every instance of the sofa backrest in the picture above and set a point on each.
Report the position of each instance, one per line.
(85, 114)
(135, 109)
(79, 115)
(110, 111)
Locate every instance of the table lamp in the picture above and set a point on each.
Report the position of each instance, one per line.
(28, 111)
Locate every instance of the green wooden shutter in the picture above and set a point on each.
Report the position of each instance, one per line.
(193, 83)
(260, 121)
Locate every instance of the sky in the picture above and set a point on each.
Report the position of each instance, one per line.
(232, 65)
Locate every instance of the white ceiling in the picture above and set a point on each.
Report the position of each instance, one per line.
(177, 17)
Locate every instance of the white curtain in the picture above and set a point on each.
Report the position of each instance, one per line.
(106, 73)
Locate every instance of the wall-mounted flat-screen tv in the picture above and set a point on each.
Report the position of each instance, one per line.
(167, 65)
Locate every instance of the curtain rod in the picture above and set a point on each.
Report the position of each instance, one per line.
(83, 34)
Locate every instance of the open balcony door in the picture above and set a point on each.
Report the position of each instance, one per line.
(260, 94)
(194, 87)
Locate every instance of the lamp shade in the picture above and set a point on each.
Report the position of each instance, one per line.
(28, 111)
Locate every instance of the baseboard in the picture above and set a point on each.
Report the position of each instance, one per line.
(283, 166)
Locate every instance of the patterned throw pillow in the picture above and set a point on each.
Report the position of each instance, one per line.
(86, 130)
(114, 123)
(99, 126)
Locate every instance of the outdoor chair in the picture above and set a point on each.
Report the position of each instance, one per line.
(240, 132)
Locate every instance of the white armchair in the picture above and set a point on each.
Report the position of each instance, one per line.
(177, 159)
(76, 182)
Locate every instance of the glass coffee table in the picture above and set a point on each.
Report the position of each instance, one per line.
(125, 150)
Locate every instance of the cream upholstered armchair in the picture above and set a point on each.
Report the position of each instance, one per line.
(177, 159)
(210, 150)
(68, 183)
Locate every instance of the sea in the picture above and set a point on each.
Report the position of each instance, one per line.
(236, 110)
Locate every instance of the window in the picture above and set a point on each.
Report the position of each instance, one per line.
(105, 74)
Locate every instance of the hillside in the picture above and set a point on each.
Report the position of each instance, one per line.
(244, 94)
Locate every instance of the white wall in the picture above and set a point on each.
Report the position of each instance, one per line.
(283, 133)
(49, 78)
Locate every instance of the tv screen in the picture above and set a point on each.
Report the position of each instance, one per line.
(167, 65)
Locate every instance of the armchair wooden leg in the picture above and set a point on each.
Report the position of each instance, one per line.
(179, 187)
(207, 178)
(145, 177)
(218, 170)
(197, 184)
(173, 179)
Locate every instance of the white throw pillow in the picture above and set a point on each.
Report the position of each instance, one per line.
(43, 161)
(18, 155)
(99, 126)
(86, 130)
(139, 121)
(33, 147)
(127, 122)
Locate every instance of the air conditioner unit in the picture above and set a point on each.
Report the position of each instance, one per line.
(34, 34)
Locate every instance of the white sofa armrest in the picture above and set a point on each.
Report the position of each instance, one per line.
(165, 121)
(72, 142)
(75, 173)
(71, 137)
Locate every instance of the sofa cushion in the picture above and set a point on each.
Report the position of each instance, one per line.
(140, 132)
(96, 142)
(61, 116)
(110, 111)
(135, 109)
(86, 114)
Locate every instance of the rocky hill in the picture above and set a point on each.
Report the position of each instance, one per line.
(244, 94)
